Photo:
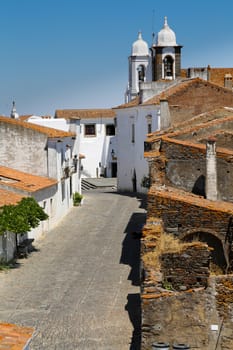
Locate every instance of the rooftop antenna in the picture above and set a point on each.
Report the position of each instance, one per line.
(153, 28)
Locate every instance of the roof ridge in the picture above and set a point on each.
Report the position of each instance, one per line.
(50, 132)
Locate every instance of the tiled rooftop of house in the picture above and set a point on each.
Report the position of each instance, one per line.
(50, 132)
(84, 113)
(178, 89)
(173, 91)
(189, 126)
(192, 199)
(217, 75)
(133, 103)
(26, 182)
(14, 337)
(9, 198)
(220, 123)
(195, 133)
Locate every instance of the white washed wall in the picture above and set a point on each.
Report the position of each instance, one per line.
(97, 149)
(131, 155)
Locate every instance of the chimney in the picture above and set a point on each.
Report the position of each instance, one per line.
(211, 170)
(228, 81)
(165, 117)
(208, 73)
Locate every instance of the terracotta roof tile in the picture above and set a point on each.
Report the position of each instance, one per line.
(13, 337)
(181, 195)
(181, 85)
(50, 132)
(9, 198)
(133, 103)
(195, 123)
(17, 179)
(84, 113)
(216, 75)
(25, 117)
(178, 88)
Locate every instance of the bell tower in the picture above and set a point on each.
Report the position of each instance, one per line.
(139, 67)
(166, 55)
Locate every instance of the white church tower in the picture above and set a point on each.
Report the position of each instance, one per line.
(139, 67)
(161, 62)
(166, 55)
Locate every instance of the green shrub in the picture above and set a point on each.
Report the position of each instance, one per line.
(77, 198)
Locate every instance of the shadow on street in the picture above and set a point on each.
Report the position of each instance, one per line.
(130, 255)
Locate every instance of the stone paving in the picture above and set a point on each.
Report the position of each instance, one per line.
(80, 289)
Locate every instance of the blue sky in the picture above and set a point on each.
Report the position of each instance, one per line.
(59, 54)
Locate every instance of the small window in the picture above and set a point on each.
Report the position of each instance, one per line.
(149, 128)
(89, 130)
(133, 134)
(63, 193)
(71, 187)
(51, 206)
(110, 129)
(149, 124)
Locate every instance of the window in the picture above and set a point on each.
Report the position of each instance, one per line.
(71, 187)
(149, 128)
(63, 193)
(51, 206)
(133, 133)
(149, 124)
(89, 130)
(110, 129)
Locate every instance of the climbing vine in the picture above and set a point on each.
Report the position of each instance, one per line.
(22, 217)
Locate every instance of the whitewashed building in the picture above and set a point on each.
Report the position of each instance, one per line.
(45, 152)
(151, 71)
(97, 140)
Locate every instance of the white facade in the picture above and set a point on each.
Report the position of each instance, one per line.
(51, 153)
(98, 144)
(99, 149)
(136, 120)
(133, 124)
(146, 66)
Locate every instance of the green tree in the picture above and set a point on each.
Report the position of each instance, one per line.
(22, 217)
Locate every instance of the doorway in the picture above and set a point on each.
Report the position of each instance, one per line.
(114, 169)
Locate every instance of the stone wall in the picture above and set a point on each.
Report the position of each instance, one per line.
(183, 165)
(192, 307)
(186, 269)
(183, 213)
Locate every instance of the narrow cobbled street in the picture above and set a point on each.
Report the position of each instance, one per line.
(80, 288)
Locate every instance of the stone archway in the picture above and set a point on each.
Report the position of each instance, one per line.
(218, 253)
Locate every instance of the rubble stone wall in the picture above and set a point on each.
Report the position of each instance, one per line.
(189, 310)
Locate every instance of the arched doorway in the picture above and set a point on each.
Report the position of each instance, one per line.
(218, 260)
